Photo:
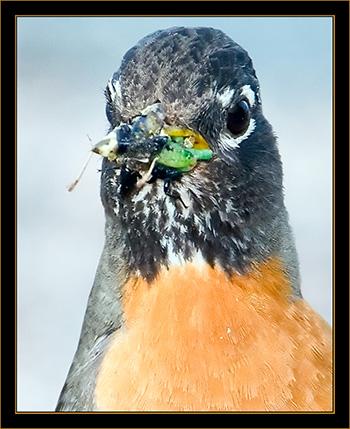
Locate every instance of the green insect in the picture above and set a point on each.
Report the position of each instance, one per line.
(176, 154)
(167, 151)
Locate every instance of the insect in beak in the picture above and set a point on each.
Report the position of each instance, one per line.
(151, 148)
(108, 146)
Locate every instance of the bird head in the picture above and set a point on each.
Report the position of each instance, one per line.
(191, 168)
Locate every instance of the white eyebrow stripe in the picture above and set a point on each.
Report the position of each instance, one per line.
(115, 89)
(225, 96)
(249, 94)
(118, 89)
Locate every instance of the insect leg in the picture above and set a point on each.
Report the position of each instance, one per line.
(171, 194)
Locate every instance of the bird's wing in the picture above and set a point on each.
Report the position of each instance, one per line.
(102, 318)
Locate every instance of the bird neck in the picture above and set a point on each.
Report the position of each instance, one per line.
(157, 230)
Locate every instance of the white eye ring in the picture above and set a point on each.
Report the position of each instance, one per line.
(226, 94)
(249, 94)
(228, 142)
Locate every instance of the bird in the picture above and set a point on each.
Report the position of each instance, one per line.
(197, 303)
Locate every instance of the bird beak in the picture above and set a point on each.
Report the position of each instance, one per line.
(148, 137)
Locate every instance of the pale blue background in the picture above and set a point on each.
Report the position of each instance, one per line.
(63, 67)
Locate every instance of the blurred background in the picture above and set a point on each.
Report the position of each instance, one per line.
(63, 65)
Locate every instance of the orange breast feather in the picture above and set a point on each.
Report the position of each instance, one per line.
(196, 340)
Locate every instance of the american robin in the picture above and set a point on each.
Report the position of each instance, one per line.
(196, 304)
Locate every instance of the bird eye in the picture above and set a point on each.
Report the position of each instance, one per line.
(238, 118)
